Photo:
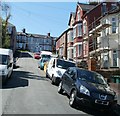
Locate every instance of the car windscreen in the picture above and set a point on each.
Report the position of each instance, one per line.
(3, 59)
(64, 64)
(46, 56)
(92, 77)
(45, 59)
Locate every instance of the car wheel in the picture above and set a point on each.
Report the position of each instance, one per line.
(47, 75)
(60, 90)
(52, 80)
(72, 100)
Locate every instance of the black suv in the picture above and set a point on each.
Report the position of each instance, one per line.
(88, 87)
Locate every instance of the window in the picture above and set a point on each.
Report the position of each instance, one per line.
(79, 50)
(114, 25)
(79, 30)
(78, 14)
(71, 35)
(75, 51)
(72, 53)
(104, 9)
(64, 64)
(74, 31)
(115, 58)
(105, 60)
(84, 28)
(113, 6)
(68, 37)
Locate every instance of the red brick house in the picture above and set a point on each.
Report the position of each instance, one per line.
(61, 44)
(70, 38)
(81, 9)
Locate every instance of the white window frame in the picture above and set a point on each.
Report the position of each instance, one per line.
(78, 15)
(74, 50)
(79, 30)
(74, 31)
(85, 28)
(115, 53)
(79, 49)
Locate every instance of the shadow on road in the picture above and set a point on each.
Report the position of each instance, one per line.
(25, 55)
(17, 80)
(20, 79)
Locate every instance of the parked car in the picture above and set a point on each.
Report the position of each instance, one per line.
(87, 87)
(45, 66)
(6, 64)
(43, 60)
(42, 53)
(37, 55)
(56, 68)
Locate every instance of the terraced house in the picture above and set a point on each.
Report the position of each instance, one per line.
(94, 35)
(102, 35)
(35, 42)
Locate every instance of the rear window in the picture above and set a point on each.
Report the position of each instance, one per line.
(64, 64)
(46, 56)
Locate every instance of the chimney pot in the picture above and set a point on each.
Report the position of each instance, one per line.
(49, 34)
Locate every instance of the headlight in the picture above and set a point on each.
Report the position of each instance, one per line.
(84, 90)
(59, 73)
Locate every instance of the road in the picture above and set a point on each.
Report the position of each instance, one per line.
(29, 92)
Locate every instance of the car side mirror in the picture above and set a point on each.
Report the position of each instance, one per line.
(73, 77)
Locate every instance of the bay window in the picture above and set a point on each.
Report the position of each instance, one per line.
(79, 27)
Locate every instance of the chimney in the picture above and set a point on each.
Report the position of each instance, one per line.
(48, 34)
(24, 31)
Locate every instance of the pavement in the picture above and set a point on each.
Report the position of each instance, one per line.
(116, 88)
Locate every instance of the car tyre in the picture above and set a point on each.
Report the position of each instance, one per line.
(72, 100)
(47, 75)
(60, 90)
(52, 80)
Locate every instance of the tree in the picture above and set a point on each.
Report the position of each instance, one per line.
(5, 35)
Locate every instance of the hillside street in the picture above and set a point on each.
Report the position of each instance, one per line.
(29, 92)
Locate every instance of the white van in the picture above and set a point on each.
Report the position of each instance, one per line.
(6, 64)
(56, 68)
(42, 53)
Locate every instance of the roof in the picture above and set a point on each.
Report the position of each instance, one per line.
(110, 12)
(115, 10)
(35, 35)
(71, 14)
(63, 33)
(86, 7)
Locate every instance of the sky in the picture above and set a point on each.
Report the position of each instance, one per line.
(42, 17)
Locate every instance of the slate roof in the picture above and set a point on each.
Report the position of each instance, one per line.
(34, 35)
(86, 7)
(71, 14)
